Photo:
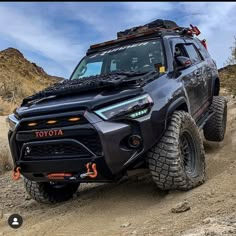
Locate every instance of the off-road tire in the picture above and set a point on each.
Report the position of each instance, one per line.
(214, 129)
(49, 193)
(172, 168)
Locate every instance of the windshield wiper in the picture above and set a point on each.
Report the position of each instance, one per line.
(130, 73)
(38, 100)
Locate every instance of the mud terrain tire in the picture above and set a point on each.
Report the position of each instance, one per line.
(177, 162)
(214, 129)
(50, 193)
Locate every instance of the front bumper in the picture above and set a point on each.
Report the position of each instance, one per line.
(37, 157)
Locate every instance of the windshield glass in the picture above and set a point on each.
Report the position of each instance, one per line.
(143, 56)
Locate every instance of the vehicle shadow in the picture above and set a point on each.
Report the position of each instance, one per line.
(138, 190)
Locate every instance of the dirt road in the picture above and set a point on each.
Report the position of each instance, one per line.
(135, 207)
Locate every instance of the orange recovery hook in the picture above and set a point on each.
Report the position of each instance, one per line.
(94, 173)
(16, 173)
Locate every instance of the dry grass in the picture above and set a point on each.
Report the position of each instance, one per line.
(6, 107)
(5, 159)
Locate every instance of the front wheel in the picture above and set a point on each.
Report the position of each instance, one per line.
(178, 160)
(48, 192)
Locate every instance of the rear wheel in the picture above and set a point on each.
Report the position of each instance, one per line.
(49, 192)
(178, 160)
(214, 129)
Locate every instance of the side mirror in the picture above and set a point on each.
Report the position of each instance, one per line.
(183, 62)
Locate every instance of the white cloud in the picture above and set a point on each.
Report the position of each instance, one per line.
(38, 35)
(106, 19)
(100, 20)
(88, 14)
(143, 12)
(217, 22)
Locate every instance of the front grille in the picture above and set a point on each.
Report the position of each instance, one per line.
(67, 145)
(62, 149)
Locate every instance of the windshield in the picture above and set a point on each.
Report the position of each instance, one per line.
(141, 57)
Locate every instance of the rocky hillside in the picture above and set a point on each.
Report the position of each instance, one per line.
(228, 78)
(19, 78)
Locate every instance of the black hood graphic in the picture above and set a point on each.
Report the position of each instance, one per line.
(99, 82)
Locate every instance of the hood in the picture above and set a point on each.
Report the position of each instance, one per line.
(85, 94)
(85, 101)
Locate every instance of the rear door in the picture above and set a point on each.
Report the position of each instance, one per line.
(204, 73)
(209, 68)
(198, 81)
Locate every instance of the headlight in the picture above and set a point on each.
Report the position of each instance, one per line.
(132, 108)
(12, 122)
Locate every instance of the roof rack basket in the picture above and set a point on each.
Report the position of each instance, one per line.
(159, 25)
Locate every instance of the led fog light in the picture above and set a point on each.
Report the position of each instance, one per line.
(135, 141)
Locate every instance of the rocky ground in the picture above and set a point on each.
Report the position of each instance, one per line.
(135, 206)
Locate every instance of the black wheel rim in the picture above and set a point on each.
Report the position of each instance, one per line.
(188, 153)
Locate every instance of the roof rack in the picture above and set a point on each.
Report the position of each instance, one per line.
(160, 27)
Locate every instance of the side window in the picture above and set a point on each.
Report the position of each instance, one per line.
(179, 51)
(192, 53)
(177, 48)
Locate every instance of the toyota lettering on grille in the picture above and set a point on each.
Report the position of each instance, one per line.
(49, 133)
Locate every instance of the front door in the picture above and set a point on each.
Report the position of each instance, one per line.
(191, 76)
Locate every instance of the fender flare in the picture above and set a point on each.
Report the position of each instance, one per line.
(173, 106)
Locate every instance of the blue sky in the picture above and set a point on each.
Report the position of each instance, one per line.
(56, 35)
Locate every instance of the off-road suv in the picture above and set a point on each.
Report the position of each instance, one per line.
(139, 100)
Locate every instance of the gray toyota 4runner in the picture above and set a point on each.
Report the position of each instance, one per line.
(133, 102)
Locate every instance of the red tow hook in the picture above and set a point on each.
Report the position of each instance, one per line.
(16, 173)
(89, 173)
